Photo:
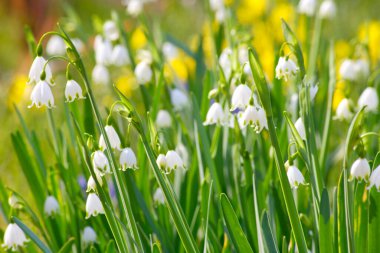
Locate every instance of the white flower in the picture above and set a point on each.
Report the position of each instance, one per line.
(73, 91)
(255, 117)
(374, 180)
(100, 75)
(216, 4)
(286, 68)
(112, 137)
(215, 115)
(14, 202)
(51, 206)
(307, 7)
(128, 159)
(103, 52)
(100, 162)
(169, 50)
(347, 70)
(370, 99)
(120, 56)
(300, 128)
(158, 196)
(144, 55)
(327, 10)
(295, 177)
(220, 15)
(56, 46)
(42, 95)
(135, 7)
(241, 96)
(110, 30)
(293, 103)
(360, 169)
(91, 184)
(173, 160)
(313, 92)
(78, 44)
(163, 119)
(225, 62)
(362, 70)
(182, 152)
(89, 235)
(14, 237)
(143, 72)
(36, 71)
(343, 110)
(161, 162)
(93, 205)
(179, 99)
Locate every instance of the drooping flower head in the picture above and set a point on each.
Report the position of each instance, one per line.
(113, 138)
(42, 95)
(93, 205)
(360, 169)
(295, 177)
(51, 206)
(14, 237)
(89, 235)
(73, 91)
(241, 97)
(215, 115)
(100, 162)
(286, 68)
(370, 99)
(128, 159)
(36, 70)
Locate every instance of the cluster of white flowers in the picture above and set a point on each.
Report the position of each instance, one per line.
(354, 70)
(171, 161)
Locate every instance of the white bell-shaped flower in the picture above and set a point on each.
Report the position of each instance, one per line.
(220, 16)
(173, 160)
(100, 75)
(370, 99)
(100, 163)
(360, 169)
(286, 68)
(169, 50)
(347, 70)
(128, 159)
(343, 110)
(362, 70)
(36, 71)
(143, 72)
(241, 96)
(307, 7)
(135, 7)
(51, 206)
(374, 179)
(327, 10)
(113, 138)
(179, 99)
(93, 205)
(144, 55)
(313, 91)
(73, 91)
(103, 52)
(216, 4)
(91, 184)
(158, 196)
(295, 176)
(225, 62)
(300, 128)
(89, 235)
(120, 56)
(110, 30)
(56, 46)
(161, 162)
(14, 237)
(42, 95)
(215, 115)
(163, 119)
(255, 117)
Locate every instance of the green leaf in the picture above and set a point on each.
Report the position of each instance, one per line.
(235, 231)
(32, 236)
(325, 235)
(68, 246)
(268, 234)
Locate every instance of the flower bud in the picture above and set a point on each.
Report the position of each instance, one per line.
(89, 235)
(163, 119)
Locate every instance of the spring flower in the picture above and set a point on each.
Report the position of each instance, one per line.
(179, 99)
(56, 46)
(110, 30)
(14, 237)
(89, 235)
(347, 70)
(42, 95)
(103, 52)
(120, 56)
(93, 206)
(360, 169)
(220, 15)
(91, 184)
(300, 128)
(100, 75)
(158, 196)
(78, 44)
(144, 55)
(51, 206)
(36, 71)
(343, 110)
(255, 117)
(241, 96)
(163, 119)
(173, 160)
(286, 68)
(183, 153)
(307, 7)
(225, 62)
(128, 159)
(295, 177)
(73, 91)
(374, 179)
(216, 4)
(370, 99)
(134, 7)
(362, 70)
(215, 115)
(14, 202)
(327, 10)
(313, 91)
(169, 50)
(100, 162)
(161, 162)
(143, 72)
(113, 138)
